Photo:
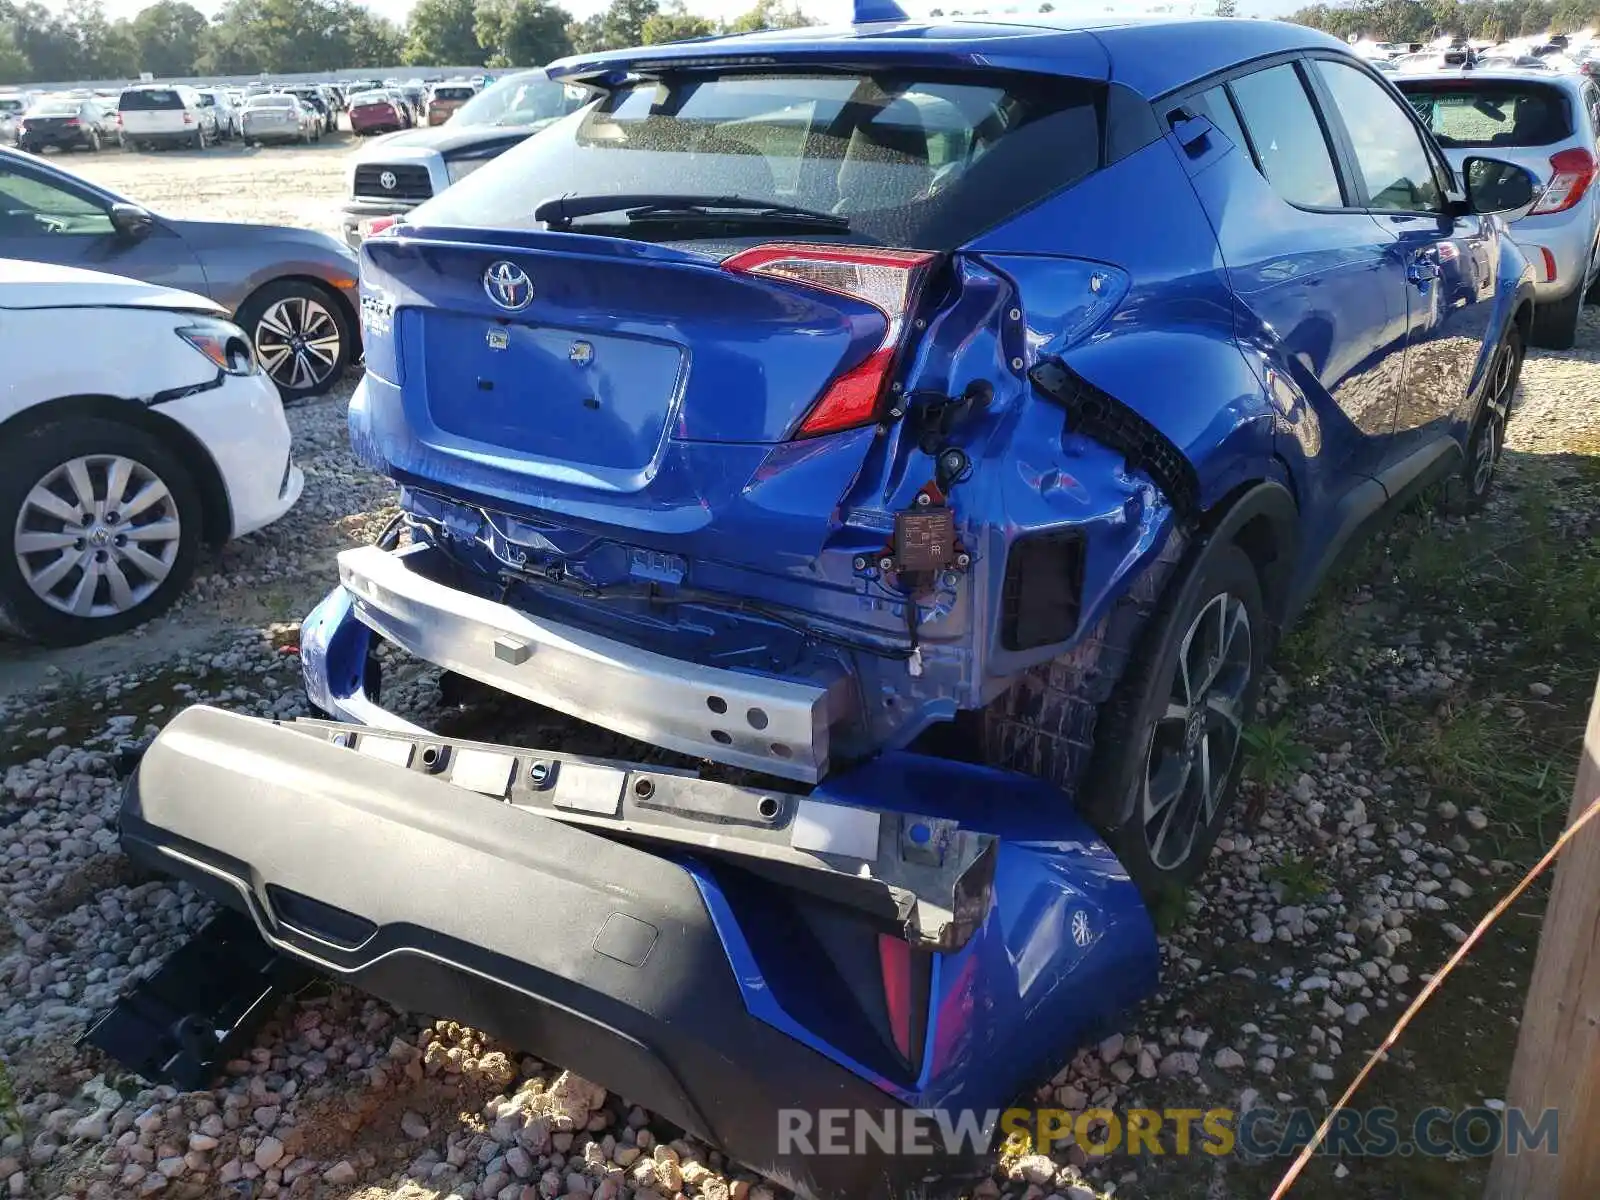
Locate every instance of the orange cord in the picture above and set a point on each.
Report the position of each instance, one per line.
(1462, 951)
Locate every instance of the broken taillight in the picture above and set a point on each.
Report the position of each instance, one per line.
(906, 980)
(886, 279)
(1573, 172)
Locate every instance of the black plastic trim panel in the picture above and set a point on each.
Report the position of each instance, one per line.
(1101, 416)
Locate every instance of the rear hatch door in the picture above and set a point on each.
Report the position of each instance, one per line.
(1522, 120)
(700, 277)
(154, 110)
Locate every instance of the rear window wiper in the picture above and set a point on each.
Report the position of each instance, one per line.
(560, 213)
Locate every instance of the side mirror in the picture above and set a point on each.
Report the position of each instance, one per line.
(1496, 186)
(131, 222)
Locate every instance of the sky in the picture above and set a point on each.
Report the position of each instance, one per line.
(827, 10)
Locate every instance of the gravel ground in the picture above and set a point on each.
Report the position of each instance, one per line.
(1412, 757)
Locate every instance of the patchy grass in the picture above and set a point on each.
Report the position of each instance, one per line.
(10, 1118)
(1297, 879)
(1519, 776)
(1273, 757)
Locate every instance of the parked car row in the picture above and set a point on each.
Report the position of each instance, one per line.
(394, 174)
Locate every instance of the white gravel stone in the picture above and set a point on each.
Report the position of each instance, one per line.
(269, 1152)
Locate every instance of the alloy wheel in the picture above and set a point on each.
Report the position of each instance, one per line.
(1196, 740)
(97, 535)
(1485, 452)
(297, 341)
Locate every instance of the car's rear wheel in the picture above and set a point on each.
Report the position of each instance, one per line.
(1152, 752)
(1468, 491)
(1555, 326)
(102, 526)
(300, 334)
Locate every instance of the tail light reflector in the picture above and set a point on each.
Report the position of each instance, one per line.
(1549, 264)
(889, 280)
(894, 956)
(1573, 172)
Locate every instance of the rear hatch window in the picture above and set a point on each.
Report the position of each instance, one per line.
(904, 159)
(150, 100)
(1477, 114)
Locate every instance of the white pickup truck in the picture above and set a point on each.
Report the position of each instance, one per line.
(393, 174)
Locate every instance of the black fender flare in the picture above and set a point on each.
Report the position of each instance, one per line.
(1264, 520)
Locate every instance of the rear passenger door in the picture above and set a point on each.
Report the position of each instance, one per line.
(1449, 264)
(1317, 289)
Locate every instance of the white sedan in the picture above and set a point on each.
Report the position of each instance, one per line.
(135, 424)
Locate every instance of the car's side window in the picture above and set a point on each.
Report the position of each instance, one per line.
(32, 206)
(1219, 109)
(1390, 154)
(1288, 138)
(1591, 101)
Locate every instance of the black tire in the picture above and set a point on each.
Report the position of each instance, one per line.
(1469, 489)
(1089, 723)
(1555, 325)
(94, 142)
(27, 460)
(249, 319)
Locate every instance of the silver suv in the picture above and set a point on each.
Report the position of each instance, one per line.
(1548, 122)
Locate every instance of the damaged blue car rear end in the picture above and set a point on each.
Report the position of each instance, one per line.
(927, 426)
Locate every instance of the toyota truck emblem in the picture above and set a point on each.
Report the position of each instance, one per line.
(508, 285)
(388, 181)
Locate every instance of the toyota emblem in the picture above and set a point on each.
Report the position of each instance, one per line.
(388, 181)
(508, 285)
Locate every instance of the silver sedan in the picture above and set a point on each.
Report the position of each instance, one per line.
(279, 117)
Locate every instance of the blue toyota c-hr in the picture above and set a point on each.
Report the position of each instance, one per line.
(1017, 370)
(933, 417)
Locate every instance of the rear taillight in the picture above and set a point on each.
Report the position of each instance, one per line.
(906, 978)
(886, 279)
(188, 118)
(119, 120)
(1572, 173)
(72, 121)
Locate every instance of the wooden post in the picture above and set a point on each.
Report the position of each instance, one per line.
(1558, 1051)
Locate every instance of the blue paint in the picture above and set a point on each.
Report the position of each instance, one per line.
(1266, 343)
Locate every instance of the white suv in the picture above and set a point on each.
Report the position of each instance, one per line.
(165, 115)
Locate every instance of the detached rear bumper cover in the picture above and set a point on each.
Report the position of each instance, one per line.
(630, 967)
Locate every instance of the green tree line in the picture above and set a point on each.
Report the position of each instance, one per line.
(1424, 20)
(246, 37)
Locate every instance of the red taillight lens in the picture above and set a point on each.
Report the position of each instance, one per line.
(894, 957)
(1549, 264)
(1573, 172)
(72, 121)
(188, 118)
(886, 279)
